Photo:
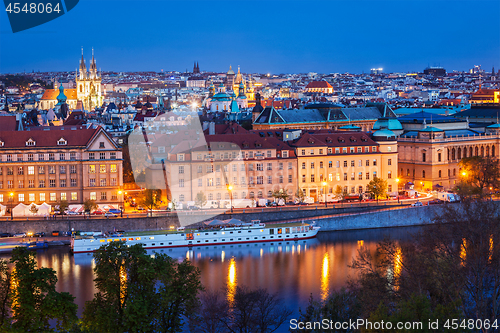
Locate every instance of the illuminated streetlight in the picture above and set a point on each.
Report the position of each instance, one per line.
(230, 189)
(120, 192)
(464, 173)
(11, 200)
(324, 190)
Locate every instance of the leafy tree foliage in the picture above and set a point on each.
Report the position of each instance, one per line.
(138, 292)
(89, 206)
(377, 187)
(63, 205)
(300, 196)
(150, 199)
(478, 174)
(280, 194)
(33, 298)
(339, 192)
(5, 303)
(201, 199)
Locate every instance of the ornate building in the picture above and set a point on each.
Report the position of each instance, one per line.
(88, 84)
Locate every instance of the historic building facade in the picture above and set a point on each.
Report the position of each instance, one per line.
(88, 85)
(50, 164)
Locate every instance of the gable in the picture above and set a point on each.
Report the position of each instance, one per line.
(101, 142)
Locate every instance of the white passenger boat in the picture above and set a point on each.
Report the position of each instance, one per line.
(220, 235)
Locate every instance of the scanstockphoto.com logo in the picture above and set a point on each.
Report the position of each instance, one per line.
(25, 15)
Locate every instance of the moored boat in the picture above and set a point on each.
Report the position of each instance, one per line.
(208, 235)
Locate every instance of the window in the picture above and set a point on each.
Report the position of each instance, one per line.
(389, 188)
(321, 151)
(181, 169)
(9, 158)
(21, 184)
(360, 163)
(41, 157)
(20, 170)
(359, 150)
(374, 162)
(242, 180)
(102, 168)
(250, 167)
(423, 173)
(270, 179)
(72, 156)
(104, 195)
(260, 167)
(210, 168)
(112, 168)
(312, 165)
(423, 157)
(260, 180)
(367, 149)
(73, 182)
(285, 153)
(20, 197)
(92, 182)
(439, 173)
(345, 175)
(439, 157)
(321, 165)
(41, 170)
(92, 157)
(180, 157)
(74, 196)
(210, 182)
(114, 196)
(10, 171)
(374, 174)
(62, 156)
(52, 169)
(250, 180)
(280, 179)
(41, 183)
(269, 166)
(72, 169)
(330, 164)
(53, 197)
(269, 153)
(20, 157)
(312, 179)
(242, 167)
(374, 149)
(367, 162)
(352, 176)
(389, 174)
(303, 165)
(102, 156)
(389, 162)
(351, 150)
(345, 164)
(91, 168)
(337, 164)
(290, 166)
(181, 182)
(10, 184)
(280, 166)
(30, 157)
(360, 176)
(303, 178)
(352, 163)
(234, 168)
(31, 170)
(42, 197)
(52, 183)
(217, 181)
(367, 175)
(200, 182)
(51, 157)
(63, 196)
(303, 152)
(103, 182)
(337, 150)
(290, 178)
(62, 183)
(62, 169)
(31, 183)
(93, 195)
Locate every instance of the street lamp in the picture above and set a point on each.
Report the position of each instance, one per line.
(324, 190)
(11, 200)
(230, 189)
(121, 208)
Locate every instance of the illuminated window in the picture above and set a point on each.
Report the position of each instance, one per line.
(74, 196)
(63, 196)
(52, 197)
(102, 168)
(91, 168)
(31, 197)
(93, 195)
(42, 197)
(31, 170)
(20, 197)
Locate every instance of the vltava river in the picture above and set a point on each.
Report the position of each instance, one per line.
(295, 270)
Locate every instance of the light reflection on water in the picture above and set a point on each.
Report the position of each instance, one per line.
(295, 270)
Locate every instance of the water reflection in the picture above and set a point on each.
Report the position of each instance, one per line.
(231, 281)
(294, 270)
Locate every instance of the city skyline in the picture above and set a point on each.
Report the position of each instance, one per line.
(264, 37)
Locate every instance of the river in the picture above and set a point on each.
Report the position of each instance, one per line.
(295, 270)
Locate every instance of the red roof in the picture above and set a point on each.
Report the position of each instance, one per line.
(48, 137)
(318, 84)
(8, 123)
(51, 94)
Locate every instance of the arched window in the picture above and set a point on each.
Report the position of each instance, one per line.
(470, 152)
(465, 152)
(482, 151)
(252, 195)
(459, 153)
(81, 88)
(408, 172)
(493, 151)
(487, 150)
(449, 173)
(439, 173)
(259, 194)
(476, 151)
(453, 154)
(454, 172)
(448, 149)
(423, 173)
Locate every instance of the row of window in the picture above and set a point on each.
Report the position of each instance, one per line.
(251, 194)
(73, 196)
(344, 150)
(337, 163)
(347, 189)
(52, 157)
(233, 155)
(30, 170)
(102, 168)
(251, 181)
(52, 183)
(234, 167)
(337, 177)
(423, 173)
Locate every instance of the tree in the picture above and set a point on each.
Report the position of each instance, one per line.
(300, 195)
(34, 299)
(280, 194)
(33, 209)
(150, 199)
(63, 206)
(251, 310)
(89, 206)
(339, 192)
(377, 187)
(478, 174)
(140, 293)
(5, 279)
(201, 199)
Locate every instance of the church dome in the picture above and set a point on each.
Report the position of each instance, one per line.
(230, 71)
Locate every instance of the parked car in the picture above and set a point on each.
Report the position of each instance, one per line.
(436, 202)
(21, 234)
(70, 212)
(6, 234)
(114, 211)
(98, 212)
(108, 214)
(39, 234)
(417, 204)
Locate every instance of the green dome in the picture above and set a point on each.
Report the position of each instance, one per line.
(384, 133)
(61, 98)
(389, 123)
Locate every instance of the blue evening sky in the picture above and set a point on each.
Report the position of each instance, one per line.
(261, 36)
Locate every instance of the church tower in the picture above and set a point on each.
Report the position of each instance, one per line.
(88, 85)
